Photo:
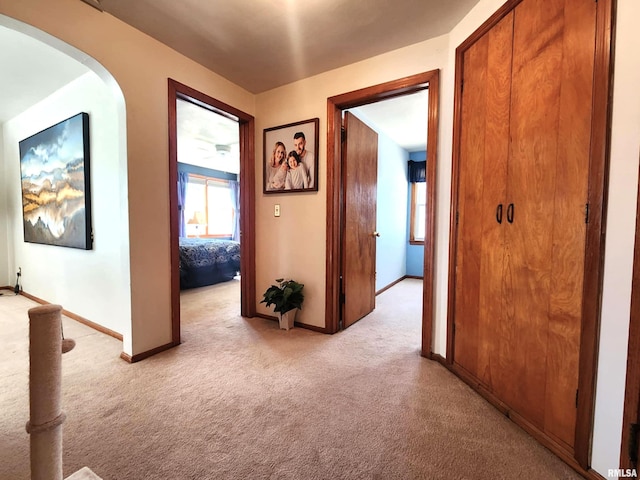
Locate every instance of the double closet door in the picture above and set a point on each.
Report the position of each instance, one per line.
(523, 177)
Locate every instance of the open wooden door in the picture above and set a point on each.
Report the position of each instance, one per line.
(360, 176)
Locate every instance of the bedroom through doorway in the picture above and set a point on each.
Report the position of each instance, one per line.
(208, 156)
(211, 204)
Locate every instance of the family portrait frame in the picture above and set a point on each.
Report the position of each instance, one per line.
(290, 162)
(56, 195)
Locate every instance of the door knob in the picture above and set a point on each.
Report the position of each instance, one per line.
(376, 234)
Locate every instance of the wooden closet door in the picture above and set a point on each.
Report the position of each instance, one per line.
(524, 143)
(481, 303)
(553, 62)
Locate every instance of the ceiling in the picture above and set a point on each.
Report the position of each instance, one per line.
(258, 45)
(263, 44)
(403, 119)
(31, 71)
(207, 139)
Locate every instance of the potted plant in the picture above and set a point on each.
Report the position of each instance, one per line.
(287, 297)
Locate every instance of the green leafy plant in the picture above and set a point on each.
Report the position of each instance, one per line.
(286, 295)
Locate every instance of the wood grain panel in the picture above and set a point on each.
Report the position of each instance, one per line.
(333, 306)
(482, 335)
(569, 234)
(596, 228)
(430, 215)
(553, 262)
(360, 167)
(472, 150)
(537, 55)
(496, 329)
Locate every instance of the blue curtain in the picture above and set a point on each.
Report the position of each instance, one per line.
(417, 171)
(234, 187)
(182, 194)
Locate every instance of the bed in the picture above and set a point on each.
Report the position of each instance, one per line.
(206, 261)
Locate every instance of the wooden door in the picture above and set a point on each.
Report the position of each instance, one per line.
(552, 88)
(360, 174)
(480, 301)
(524, 143)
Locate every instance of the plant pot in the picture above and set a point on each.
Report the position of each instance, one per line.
(287, 319)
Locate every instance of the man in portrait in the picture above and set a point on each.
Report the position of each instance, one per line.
(306, 156)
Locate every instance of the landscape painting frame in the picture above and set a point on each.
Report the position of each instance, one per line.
(278, 179)
(55, 180)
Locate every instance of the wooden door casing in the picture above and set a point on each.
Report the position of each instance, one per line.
(336, 105)
(518, 302)
(360, 170)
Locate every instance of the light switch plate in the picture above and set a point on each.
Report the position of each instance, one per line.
(276, 210)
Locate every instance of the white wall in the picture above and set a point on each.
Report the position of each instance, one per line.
(391, 212)
(90, 283)
(303, 216)
(621, 220)
(141, 66)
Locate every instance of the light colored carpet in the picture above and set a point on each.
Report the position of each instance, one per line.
(242, 399)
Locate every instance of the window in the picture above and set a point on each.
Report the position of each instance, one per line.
(209, 208)
(418, 213)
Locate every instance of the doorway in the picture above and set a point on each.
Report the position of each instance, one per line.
(335, 198)
(246, 198)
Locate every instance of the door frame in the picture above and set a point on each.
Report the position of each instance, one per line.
(595, 231)
(246, 126)
(335, 106)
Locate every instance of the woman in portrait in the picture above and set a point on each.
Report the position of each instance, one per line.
(274, 167)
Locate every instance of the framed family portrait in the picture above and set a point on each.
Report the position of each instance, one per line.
(291, 157)
(54, 169)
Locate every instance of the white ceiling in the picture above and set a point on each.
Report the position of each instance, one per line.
(263, 44)
(31, 71)
(403, 119)
(258, 45)
(202, 135)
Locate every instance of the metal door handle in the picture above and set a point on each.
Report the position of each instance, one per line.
(499, 213)
(510, 210)
(376, 234)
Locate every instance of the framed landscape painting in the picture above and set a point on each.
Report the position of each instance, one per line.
(54, 170)
(291, 157)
